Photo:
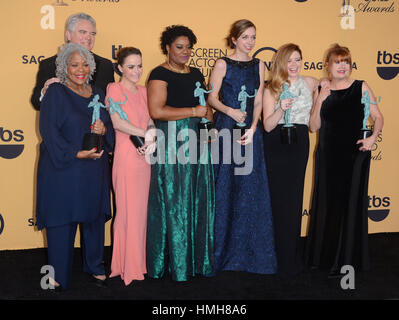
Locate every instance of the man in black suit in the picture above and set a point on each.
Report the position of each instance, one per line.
(80, 29)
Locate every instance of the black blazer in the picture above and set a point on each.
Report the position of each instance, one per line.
(103, 75)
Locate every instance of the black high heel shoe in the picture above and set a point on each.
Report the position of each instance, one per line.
(99, 283)
(58, 289)
(334, 274)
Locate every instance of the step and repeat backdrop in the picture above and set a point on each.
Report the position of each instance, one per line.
(34, 30)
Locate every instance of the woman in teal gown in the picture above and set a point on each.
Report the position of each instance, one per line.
(181, 200)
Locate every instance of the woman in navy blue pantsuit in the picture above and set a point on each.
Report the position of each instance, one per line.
(73, 184)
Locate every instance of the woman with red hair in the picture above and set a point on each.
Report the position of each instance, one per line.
(338, 230)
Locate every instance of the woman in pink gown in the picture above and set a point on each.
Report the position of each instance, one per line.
(131, 172)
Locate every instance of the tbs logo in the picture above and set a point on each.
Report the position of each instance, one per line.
(115, 49)
(378, 208)
(387, 64)
(10, 150)
(265, 55)
(1, 224)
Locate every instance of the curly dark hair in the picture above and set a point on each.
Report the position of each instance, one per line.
(172, 32)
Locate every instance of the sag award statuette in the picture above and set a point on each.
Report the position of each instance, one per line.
(91, 139)
(364, 131)
(116, 107)
(205, 126)
(288, 130)
(242, 97)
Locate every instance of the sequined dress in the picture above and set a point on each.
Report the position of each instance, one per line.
(244, 237)
(286, 167)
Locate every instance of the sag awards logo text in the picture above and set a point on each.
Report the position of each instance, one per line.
(64, 3)
(376, 149)
(375, 6)
(47, 22)
(265, 54)
(349, 9)
(205, 58)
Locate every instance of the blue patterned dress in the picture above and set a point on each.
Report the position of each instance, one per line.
(244, 237)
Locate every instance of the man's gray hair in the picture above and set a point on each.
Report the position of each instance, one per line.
(64, 56)
(73, 19)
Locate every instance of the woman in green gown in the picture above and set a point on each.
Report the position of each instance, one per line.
(181, 201)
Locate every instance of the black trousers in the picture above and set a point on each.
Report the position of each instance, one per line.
(286, 166)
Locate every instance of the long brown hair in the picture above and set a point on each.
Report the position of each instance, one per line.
(236, 30)
(278, 74)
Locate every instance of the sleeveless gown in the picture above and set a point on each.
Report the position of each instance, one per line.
(286, 167)
(338, 229)
(244, 237)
